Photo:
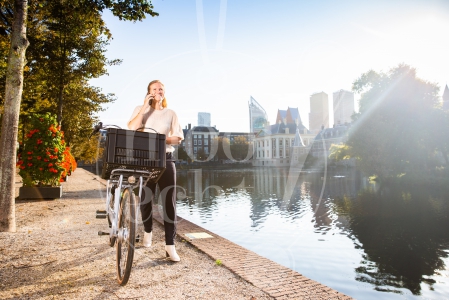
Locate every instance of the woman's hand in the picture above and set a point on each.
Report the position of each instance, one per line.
(148, 99)
(173, 140)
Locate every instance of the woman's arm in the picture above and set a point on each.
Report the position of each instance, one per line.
(136, 120)
(173, 140)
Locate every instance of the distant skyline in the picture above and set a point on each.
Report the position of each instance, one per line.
(213, 55)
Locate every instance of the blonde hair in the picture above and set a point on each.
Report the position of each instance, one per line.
(164, 102)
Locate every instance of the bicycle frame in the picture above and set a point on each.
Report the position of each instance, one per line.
(120, 180)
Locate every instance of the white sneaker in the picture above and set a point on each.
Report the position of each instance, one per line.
(170, 251)
(147, 239)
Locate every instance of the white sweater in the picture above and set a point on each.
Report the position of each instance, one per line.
(164, 121)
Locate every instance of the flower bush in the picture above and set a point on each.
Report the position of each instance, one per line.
(41, 159)
(69, 164)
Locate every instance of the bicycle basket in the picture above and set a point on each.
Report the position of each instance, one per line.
(135, 150)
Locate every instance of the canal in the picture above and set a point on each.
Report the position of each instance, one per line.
(337, 227)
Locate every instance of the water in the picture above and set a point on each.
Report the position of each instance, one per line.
(338, 229)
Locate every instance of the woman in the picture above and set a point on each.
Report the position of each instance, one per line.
(155, 114)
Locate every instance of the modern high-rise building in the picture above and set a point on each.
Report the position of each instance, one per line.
(446, 98)
(203, 119)
(343, 107)
(258, 118)
(319, 112)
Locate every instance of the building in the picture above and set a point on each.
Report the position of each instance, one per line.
(249, 136)
(273, 144)
(326, 137)
(446, 98)
(299, 151)
(203, 119)
(319, 112)
(199, 140)
(343, 102)
(289, 116)
(258, 118)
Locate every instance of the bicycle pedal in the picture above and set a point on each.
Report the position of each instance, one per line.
(101, 214)
(103, 233)
(137, 238)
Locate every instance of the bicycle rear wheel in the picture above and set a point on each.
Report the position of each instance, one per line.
(126, 235)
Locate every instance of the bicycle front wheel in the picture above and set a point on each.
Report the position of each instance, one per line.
(126, 236)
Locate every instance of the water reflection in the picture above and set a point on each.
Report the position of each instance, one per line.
(339, 229)
(403, 234)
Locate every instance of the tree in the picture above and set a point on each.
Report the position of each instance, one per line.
(10, 119)
(68, 40)
(390, 135)
(240, 148)
(221, 144)
(201, 155)
(182, 154)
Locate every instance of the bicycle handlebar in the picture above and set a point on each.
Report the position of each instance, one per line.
(101, 126)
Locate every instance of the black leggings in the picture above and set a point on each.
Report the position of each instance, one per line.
(167, 188)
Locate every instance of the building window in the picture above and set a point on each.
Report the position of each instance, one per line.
(200, 142)
(206, 142)
(280, 142)
(194, 142)
(286, 143)
(194, 136)
(263, 143)
(195, 149)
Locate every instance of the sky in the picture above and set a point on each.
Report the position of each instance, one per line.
(212, 55)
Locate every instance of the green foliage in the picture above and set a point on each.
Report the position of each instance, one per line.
(218, 262)
(221, 143)
(68, 41)
(88, 150)
(182, 154)
(339, 152)
(394, 131)
(42, 154)
(201, 154)
(240, 148)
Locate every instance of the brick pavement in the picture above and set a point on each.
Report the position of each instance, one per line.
(276, 280)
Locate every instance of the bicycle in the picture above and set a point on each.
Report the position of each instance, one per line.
(131, 159)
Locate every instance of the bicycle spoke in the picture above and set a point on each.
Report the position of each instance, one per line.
(126, 235)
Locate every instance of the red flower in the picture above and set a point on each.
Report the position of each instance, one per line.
(29, 152)
(39, 158)
(40, 169)
(39, 141)
(50, 165)
(45, 159)
(22, 167)
(30, 157)
(20, 162)
(29, 164)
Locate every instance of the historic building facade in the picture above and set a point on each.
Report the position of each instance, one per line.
(273, 145)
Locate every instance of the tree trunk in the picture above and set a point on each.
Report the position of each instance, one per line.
(10, 120)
